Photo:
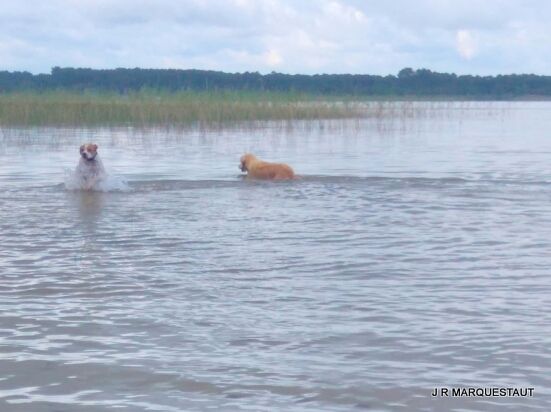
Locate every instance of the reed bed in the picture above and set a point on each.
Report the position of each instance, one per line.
(64, 108)
(150, 108)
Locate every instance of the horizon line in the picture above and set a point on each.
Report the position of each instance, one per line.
(272, 72)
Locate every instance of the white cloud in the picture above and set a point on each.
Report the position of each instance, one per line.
(466, 44)
(273, 58)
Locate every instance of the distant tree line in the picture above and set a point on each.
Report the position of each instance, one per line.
(408, 82)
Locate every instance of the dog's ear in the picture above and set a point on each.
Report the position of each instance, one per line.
(81, 149)
(95, 147)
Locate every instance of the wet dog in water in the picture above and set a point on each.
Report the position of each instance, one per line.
(90, 169)
(259, 169)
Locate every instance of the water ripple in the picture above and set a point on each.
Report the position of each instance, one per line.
(363, 288)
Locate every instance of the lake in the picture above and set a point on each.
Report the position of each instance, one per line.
(413, 253)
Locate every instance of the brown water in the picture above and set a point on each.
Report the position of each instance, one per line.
(413, 253)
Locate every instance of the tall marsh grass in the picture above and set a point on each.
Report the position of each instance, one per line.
(150, 108)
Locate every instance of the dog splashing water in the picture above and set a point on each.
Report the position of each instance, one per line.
(90, 173)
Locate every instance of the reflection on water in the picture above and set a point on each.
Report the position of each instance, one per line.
(413, 253)
(88, 203)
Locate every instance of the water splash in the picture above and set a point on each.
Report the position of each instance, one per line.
(109, 183)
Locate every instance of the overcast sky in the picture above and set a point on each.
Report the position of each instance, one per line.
(312, 36)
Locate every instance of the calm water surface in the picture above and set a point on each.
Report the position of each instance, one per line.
(413, 253)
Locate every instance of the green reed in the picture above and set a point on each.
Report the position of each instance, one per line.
(146, 108)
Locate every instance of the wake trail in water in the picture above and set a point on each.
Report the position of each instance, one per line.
(114, 183)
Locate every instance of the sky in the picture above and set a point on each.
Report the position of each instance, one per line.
(485, 37)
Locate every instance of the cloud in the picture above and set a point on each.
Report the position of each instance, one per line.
(466, 44)
(311, 36)
(273, 58)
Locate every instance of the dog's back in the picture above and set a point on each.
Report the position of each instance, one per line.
(274, 171)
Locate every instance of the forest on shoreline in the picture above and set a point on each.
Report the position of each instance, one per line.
(421, 83)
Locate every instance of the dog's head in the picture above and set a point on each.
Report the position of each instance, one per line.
(245, 161)
(89, 151)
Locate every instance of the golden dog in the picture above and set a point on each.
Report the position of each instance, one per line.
(258, 169)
